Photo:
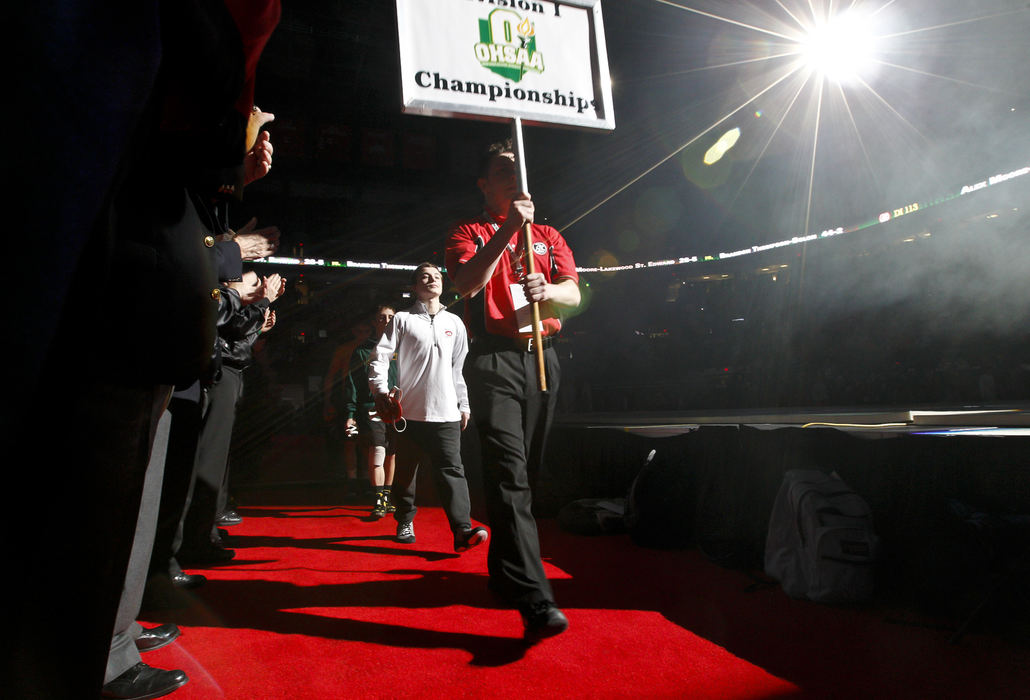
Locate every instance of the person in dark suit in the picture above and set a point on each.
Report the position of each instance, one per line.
(166, 575)
(251, 315)
(106, 94)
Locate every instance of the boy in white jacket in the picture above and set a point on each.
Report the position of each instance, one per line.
(431, 344)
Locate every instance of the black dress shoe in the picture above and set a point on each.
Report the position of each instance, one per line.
(229, 518)
(157, 637)
(542, 620)
(161, 594)
(204, 556)
(142, 682)
(188, 581)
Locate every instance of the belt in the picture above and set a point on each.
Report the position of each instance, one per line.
(496, 343)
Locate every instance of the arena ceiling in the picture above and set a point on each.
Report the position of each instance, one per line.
(941, 102)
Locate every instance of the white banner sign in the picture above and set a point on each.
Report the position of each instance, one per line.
(545, 62)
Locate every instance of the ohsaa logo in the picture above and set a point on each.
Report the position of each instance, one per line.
(507, 45)
(448, 332)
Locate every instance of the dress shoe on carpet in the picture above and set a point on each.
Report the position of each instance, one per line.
(142, 682)
(470, 538)
(229, 518)
(161, 594)
(542, 620)
(157, 637)
(188, 581)
(205, 556)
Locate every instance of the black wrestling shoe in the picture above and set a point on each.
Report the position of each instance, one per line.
(470, 538)
(406, 533)
(157, 637)
(142, 682)
(542, 620)
(379, 509)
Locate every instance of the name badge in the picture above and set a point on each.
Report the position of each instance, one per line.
(523, 312)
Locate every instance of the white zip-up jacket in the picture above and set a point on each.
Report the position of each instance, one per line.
(430, 351)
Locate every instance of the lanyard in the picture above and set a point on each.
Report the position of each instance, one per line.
(515, 257)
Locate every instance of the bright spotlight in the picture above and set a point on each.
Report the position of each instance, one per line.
(840, 48)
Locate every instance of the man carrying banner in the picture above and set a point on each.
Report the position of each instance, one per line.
(485, 259)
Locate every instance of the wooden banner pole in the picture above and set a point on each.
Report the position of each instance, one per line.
(527, 247)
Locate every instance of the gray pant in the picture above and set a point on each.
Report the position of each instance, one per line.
(123, 654)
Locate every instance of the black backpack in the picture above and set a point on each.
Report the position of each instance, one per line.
(821, 545)
(660, 504)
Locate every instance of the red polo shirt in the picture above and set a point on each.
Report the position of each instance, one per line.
(552, 257)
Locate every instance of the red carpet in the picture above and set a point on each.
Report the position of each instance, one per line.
(321, 603)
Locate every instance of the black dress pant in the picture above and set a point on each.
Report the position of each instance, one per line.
(177, 488)
(513, 418)
(212, 460)
(441, 444)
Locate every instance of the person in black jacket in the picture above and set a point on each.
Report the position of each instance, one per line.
(247, 315)
(164, 572)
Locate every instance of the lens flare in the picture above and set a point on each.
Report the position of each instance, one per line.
(725, 143)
